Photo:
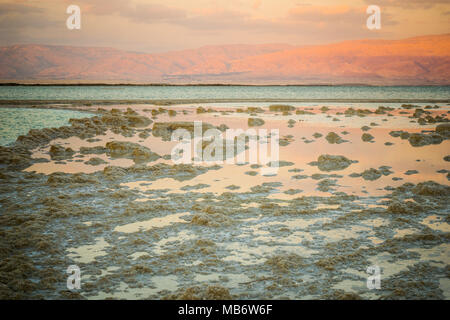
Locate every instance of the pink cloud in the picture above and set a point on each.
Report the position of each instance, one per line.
(409, 4)
(257, 4)
(142, 13)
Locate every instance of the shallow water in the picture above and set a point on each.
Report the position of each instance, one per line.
(18, 121)
(150, 234)
(304, 148)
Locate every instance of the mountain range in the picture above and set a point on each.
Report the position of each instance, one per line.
(419, 60)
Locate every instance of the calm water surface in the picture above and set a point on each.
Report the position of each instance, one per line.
(221, 92)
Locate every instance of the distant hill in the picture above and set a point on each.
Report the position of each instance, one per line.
(420, 60)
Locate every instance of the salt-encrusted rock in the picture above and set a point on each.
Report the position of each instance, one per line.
(114, 172)
(255, 122)
(59, 178)
(431, 188)
(420, 139)
(328, 162)
(317, 135)
(60, 153)
(130, 118)
(95, 161)
(165, 129)
(124, 149)
(366, 137)
(333, 138)
(303, 112)
(371, 174)
(93, 150)
(281, 108)
(443, 128)
(279, 164)
(138, 121)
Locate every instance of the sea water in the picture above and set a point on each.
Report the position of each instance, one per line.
(18, 121)
(332, 93)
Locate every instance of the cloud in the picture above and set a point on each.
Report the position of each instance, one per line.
(408, 4)
(15, 8)
(216, 19)
(141, 13)
(129, 24)
(14, 16)
(327, 14)
(18, 21)
(153, 13)
(256, 4)
(301, 24)
(333, 16)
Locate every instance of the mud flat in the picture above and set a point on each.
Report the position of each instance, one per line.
(102, 193)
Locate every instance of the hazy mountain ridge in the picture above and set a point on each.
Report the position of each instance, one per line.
(419, 60)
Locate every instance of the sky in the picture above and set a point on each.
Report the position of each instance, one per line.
(167, 25)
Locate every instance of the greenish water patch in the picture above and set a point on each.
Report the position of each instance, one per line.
(284, 93)
(18, 121)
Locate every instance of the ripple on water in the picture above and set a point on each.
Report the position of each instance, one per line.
(18, 121)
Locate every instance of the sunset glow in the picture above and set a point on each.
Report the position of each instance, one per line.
(165, 25)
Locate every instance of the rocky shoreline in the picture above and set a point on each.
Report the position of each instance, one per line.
(246, 243)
